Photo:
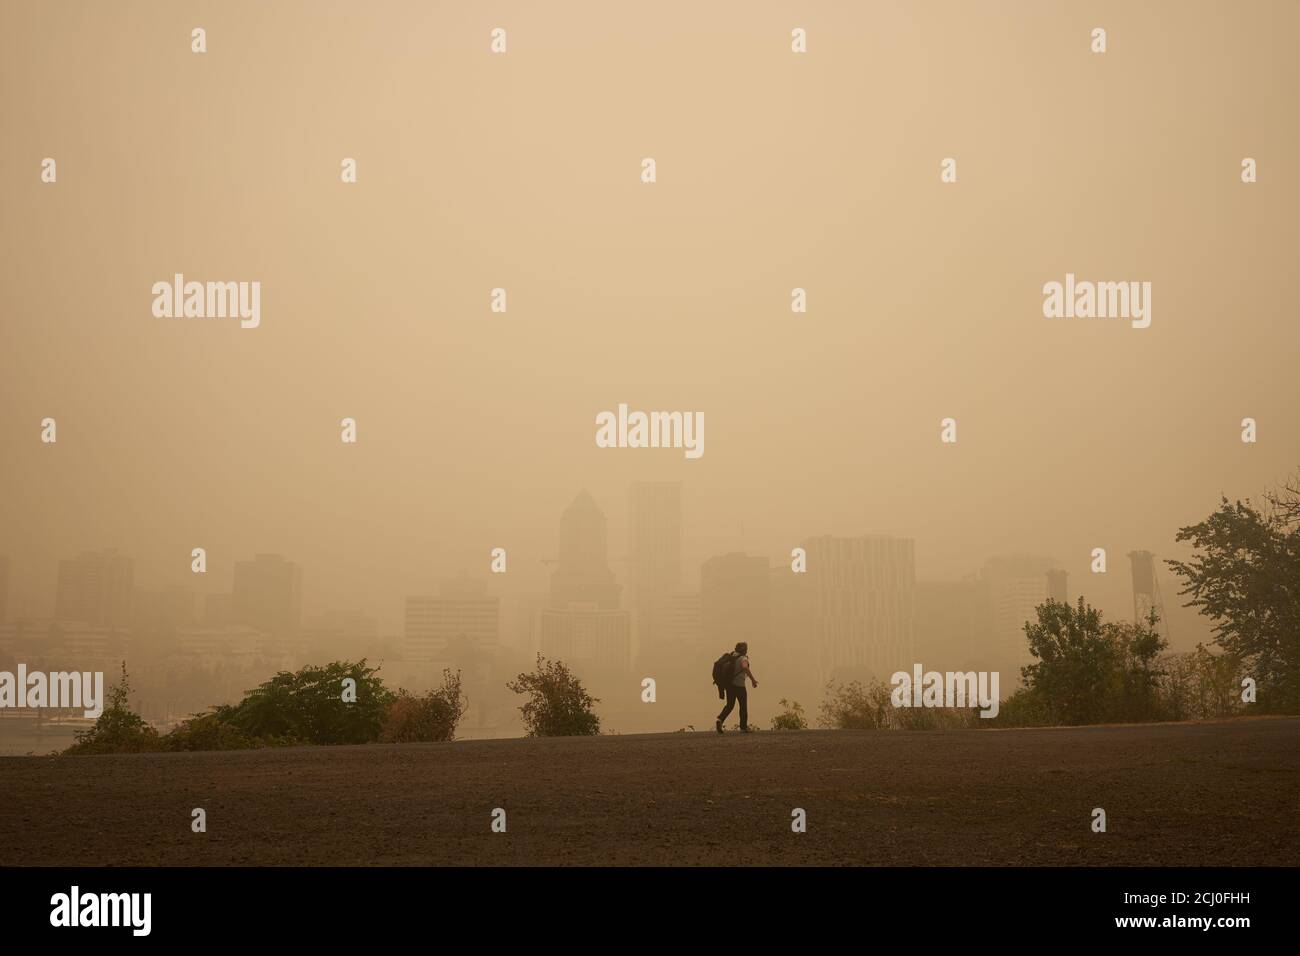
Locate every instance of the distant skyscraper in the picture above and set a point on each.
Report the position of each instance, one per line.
(655, 540)
(96, 588)
(734, 601)
(1056, 585)
(678, 620)
(4, 589)
(267, 595)
(462, 612)
(861, 602)
(593, 640)
(582, 574)
(1017, 585)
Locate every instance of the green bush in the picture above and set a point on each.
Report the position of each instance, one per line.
(557, 705)
(791, 717)
(308, 706)
(209, 732)
(852, 706)
(119, 730)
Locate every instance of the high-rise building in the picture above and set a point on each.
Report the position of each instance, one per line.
(861, 603)
(677, 620)
(463, 614)
(96, 588)
(582, 574)
(734, 601)
(267, 595)
(590, 639)
(1017, 586)
(1057, 588)
(655, 541)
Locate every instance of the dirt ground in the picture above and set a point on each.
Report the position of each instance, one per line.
(1224, 793)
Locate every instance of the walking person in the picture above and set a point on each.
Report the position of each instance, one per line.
(730, 679)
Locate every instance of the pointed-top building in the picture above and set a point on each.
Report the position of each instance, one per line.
(582, 574)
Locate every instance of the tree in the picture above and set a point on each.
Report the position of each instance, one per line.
(1245, 576)
(1137, 648)
(1076, 662)
(557, 704)
(308, 706)
(118, 730)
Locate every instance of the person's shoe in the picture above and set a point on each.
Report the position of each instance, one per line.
(718, 725)
(746, 730)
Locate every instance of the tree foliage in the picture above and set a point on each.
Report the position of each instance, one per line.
(1088, 671)
(1245, 576)
(557, 704)
(307, 706)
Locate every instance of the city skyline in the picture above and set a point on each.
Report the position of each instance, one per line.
(210, 607)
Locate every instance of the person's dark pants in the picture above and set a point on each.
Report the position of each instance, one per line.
(736, 694)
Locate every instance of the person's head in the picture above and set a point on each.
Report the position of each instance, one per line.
(742, 648)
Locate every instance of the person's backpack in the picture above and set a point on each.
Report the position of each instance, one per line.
(724, 669)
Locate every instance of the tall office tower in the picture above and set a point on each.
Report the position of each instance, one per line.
(96, 588)
(1056, 585)
(4, 589)
(655, 541)
(734, 602)
(678, 620)
(861, 602)
(593, 641)
(267, 595)
(522, 627)
(1017, 585)
(463, 614)
(582, 574)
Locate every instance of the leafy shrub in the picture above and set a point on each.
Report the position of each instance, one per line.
(433, 717)
(852, 706)
(1024, 708)
(209, 732)
(118, 730)
(557, 705)
(791, 717)
(308, 706)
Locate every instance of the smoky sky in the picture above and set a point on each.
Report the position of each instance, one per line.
(521, 171)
